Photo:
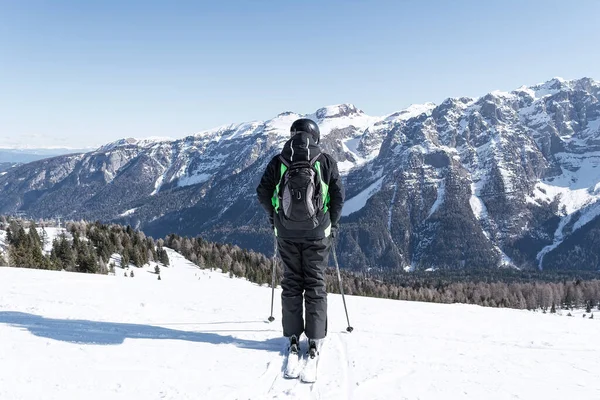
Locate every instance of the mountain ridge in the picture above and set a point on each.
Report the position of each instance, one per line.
(502, 169)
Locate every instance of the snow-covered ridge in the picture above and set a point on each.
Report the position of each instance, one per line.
(342, 114)
(143, 142)
(328, 118)
(412, 111)
(339, 110)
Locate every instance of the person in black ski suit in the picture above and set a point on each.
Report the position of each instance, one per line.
(304, 253)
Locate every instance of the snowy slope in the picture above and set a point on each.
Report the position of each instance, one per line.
(201, 335)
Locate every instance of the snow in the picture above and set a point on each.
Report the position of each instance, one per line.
(128, 213)
(51, 234)
(2, 242)
(477, 205)
(345, 166)
(441, 191)
(390, 211)
(505, 260)
(193, 179)
(202, 335)
(593, 128)
(158, 183)
(360, 200)
(337, 110)
(480, 212)
(545, 89)
(588, 215)
(351, 145)
(576, 189)
(576, 185)
(414, 110)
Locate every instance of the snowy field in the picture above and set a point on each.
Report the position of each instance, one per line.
(202, 335)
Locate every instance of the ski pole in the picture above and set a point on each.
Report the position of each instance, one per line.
(337, 266)
(271, 318)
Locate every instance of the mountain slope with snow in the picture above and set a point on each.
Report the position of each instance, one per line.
(501, 180)
(512, 173)
(200, 334)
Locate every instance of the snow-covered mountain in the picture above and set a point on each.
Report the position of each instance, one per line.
(511, 178)
(197, 334)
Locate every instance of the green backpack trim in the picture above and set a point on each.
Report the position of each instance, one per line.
(324, 188)
(275, 198)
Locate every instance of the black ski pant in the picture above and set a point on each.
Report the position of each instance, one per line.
(303, 284)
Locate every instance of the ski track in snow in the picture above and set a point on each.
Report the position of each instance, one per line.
(198, 334)
(332, 382)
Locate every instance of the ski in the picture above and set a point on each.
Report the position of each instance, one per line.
(309, 372)
(292, 365)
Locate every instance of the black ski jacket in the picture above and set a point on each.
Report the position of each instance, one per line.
(303, 147)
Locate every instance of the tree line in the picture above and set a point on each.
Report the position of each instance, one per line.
(491, 288)
(92, 244)
(231, 259)
(83, 247)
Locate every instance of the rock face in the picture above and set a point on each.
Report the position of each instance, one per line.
(509, 179)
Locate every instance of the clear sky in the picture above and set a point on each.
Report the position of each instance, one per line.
(82, 73)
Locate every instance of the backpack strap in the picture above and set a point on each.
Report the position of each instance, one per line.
(315, 158)
(284, 161)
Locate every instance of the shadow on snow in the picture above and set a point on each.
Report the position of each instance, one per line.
(114, 333)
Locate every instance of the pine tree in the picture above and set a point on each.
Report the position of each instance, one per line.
(44, 237)
(63, 253)
(136, 257)
(33, 234)
(37, 258)
(162, 255)
(86, 260)
(159, 278)
(21, 251)
(102, 268)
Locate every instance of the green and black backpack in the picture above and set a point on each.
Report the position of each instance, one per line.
(301, 196)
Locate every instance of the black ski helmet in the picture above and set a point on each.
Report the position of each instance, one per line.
(308, 126)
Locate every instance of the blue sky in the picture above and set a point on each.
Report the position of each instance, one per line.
(83, 73)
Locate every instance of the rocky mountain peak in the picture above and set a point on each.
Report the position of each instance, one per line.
(337, 111)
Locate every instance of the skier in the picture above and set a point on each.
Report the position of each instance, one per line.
(302, 193)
